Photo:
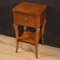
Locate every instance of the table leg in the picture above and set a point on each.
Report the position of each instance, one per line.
(17, 35)
(37, 39)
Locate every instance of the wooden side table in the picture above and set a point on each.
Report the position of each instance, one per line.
(30, 15)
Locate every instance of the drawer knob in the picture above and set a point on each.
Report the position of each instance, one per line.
(26, 19)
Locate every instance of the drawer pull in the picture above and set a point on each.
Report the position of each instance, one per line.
(26, 19)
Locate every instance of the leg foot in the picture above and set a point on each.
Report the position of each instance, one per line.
(16, 46)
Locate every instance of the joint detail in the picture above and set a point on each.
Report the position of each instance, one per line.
(38, 29)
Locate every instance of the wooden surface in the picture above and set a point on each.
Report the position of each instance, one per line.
(30, 8)
(30, 15)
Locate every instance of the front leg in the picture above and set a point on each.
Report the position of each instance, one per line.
(37, 39)
(17, 35)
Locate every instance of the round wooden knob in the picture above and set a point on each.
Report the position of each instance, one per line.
(26, 19)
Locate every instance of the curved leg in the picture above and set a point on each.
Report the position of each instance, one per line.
(42, 31)
(17, 45)
(36, 45)
(17, 36)
(42, 40)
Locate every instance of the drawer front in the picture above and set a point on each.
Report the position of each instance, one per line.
(25, 19)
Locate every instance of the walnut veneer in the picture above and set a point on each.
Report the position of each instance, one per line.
(30, 15)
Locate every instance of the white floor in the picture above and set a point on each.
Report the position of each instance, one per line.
(26, 51)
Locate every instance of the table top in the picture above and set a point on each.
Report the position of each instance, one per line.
(30, 8)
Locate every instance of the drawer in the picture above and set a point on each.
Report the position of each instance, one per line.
(25, 19)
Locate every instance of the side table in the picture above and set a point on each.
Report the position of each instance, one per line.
(30, 15)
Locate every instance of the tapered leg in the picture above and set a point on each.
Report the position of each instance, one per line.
(42, 31)
(17, 35)
(37, 38)
(17, 45)
(36, 50)
(42, 40)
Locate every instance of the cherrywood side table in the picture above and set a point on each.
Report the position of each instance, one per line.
(30, 15)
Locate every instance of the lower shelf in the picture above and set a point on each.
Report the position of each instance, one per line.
(28, 37)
